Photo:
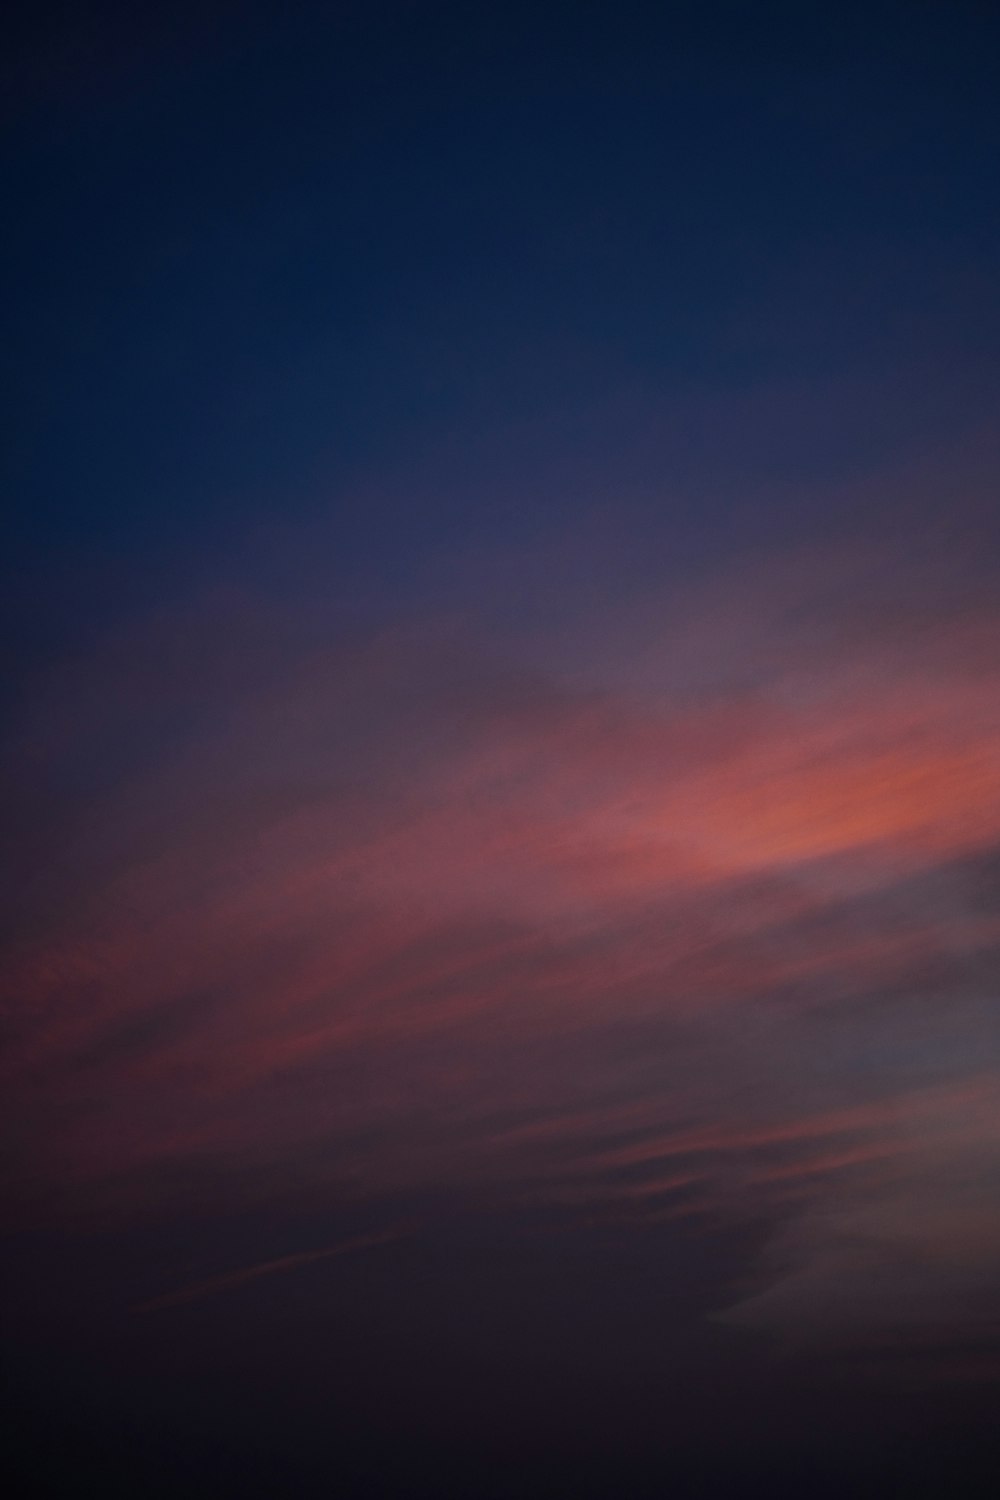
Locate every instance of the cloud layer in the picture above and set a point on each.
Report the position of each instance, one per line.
(699, 926)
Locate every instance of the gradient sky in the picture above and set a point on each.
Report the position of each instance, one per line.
(502, 749)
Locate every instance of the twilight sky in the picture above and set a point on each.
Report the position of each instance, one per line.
(502, 749)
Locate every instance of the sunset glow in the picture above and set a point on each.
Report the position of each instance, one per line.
(502, 755)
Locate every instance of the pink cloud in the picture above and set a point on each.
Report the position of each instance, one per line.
(397, 911)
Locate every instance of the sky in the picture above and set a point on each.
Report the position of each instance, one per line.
(501, 750)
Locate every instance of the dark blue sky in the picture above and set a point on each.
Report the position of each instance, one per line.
(254, 259)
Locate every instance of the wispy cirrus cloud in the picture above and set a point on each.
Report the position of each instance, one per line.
(404, 910)
(281, 1265)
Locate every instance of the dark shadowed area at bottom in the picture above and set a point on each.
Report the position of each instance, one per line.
(495, 1356)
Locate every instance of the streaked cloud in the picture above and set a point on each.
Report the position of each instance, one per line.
(230, 1280)
(402, 910)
